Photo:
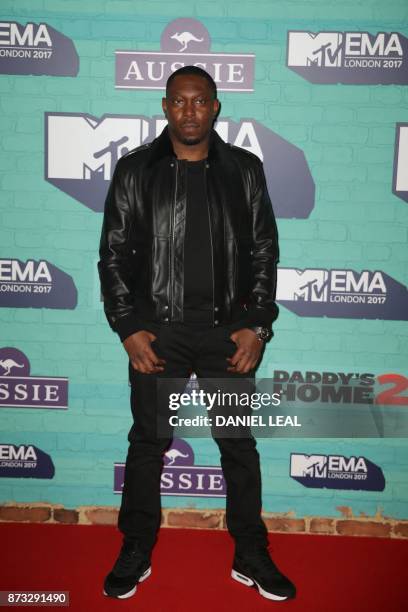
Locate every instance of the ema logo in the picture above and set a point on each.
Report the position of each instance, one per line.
(342, 293)
(35, 284)
(183, 42)
(36, 49)
(25, 462)
(180, 476)
(349, 57)
(336, 472)
(20, 390)
(400, 180)
(84, 172)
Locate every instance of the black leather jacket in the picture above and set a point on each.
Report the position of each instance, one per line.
(141, 249)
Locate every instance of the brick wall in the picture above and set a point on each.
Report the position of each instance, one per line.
(188, 518)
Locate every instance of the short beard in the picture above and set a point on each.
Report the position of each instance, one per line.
(191, 141)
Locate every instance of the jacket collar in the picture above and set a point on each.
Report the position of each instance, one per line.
(162, 147)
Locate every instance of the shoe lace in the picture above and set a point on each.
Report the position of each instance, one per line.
(260, 558)
(129, 559)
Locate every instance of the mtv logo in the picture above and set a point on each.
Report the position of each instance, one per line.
(309, 49)
(302, 285)
(302, 466)
(81, 151)
(400, 180)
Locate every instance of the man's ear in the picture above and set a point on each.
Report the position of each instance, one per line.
(164, 106)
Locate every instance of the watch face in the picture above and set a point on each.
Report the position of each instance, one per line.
(264, 333)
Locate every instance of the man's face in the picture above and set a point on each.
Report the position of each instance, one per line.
(190, 109)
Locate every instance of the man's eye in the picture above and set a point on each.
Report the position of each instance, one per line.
(201, 101)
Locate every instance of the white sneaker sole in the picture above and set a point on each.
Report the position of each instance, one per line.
(250, 582)
(132, 591)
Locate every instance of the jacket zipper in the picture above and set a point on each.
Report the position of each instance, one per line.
(172, 244)
(211, 239)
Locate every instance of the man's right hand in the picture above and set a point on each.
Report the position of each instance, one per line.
(141, 355)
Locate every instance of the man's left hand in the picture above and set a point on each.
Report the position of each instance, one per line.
(249, 348)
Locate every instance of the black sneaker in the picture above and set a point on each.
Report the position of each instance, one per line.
(256, 568)
(131, 567)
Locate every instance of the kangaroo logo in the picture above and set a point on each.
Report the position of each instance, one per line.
(8, 364)
(174, 454)
(185, 34)
(185, 38)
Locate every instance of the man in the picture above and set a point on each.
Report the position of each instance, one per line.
(188, 272)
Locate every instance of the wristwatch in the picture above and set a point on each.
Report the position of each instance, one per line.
(263, 333)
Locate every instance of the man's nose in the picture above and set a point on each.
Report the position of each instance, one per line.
(189, 109)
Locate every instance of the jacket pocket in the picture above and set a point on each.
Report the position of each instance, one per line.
(141, 266)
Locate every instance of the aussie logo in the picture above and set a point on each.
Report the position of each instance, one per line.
(180, 477)
(342, 293)
(36, 49)
(25, 461)
(349, 57)
(400, 180)
(336, 472)
(35, 284)
(183, 42)
(84, 171)
(18, 389)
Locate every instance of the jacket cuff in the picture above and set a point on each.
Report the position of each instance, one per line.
(260, 317)
(126, 325)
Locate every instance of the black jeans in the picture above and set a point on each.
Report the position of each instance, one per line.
(204, 350)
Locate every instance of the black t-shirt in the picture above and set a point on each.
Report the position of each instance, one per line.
(198, 278)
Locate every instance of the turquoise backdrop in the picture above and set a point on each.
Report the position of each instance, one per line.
(347, 133)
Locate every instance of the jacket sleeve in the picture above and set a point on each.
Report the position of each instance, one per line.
(262, 308)
(115, 256)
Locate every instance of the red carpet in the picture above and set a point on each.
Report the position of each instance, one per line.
(191, 570)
